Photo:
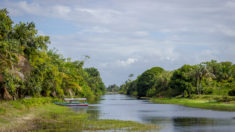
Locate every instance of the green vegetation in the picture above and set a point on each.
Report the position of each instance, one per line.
(198, 103)
(207, 78)
(31, 115)
(29, 68)
(113, 88)
(146, 81)
(213, 79)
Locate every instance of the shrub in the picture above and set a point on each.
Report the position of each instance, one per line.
(224, 98)
(36, 101)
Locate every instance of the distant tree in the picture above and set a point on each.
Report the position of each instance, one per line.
(147, 79)
(131, 88)
(226, 70)
(181, 81)
(130, 76)
(221, 71)
(95, 81)
(214, 67)
(162, 83)
(113, 88)
(198, 73)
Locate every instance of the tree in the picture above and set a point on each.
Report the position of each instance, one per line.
(200, 71)
(94, 81)
(233, 71)
(181, 81)
(30, 42)
(5, 24)
(8, 57)
(162, 83)
(146, 80)
(226, 70)
(221, 71)
(113, 88)
(27, 67)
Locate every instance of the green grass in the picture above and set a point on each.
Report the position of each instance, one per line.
(39, 114)
(58, 118)
(197, 103)
(2, 111)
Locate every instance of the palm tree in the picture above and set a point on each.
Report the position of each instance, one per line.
(199, 73)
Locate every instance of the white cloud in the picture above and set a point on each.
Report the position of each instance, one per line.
(131, 36)
(127, 62)
(22, 7)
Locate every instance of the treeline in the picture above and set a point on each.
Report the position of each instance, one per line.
(29, 68)
(113, 88)
(207, 78)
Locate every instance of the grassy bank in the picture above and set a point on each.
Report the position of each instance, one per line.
(204, 103)
(28, 115)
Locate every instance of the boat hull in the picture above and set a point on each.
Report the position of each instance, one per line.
(73, 104)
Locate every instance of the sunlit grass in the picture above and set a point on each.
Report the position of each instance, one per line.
(197, 103)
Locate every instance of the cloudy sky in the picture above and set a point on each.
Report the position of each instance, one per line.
(130, 36)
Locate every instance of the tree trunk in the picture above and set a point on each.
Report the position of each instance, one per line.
(198, 86)
(5, 94)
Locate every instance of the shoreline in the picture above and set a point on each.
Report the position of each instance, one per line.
(18, 116)
(197, 103)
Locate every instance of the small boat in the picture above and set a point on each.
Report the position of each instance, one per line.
(74, 102)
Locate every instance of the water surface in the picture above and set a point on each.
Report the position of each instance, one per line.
(171, 118)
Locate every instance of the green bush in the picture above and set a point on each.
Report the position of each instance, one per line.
(37, 101)
(216, 98)
(224, 99)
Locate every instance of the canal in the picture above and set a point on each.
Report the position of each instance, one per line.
(171, 118)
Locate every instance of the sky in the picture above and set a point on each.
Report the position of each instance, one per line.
(125, 37)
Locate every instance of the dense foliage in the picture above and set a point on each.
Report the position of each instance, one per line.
(113, 88)
(207, 78)
(29, 68)
(146, 82)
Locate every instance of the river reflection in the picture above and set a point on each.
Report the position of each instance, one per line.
(168, 117)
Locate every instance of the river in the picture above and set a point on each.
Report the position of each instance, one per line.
(170, 118)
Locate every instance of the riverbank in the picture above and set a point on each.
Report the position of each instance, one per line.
(42, 115)
(203, 103)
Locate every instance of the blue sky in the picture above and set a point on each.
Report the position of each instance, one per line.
(130, 36)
